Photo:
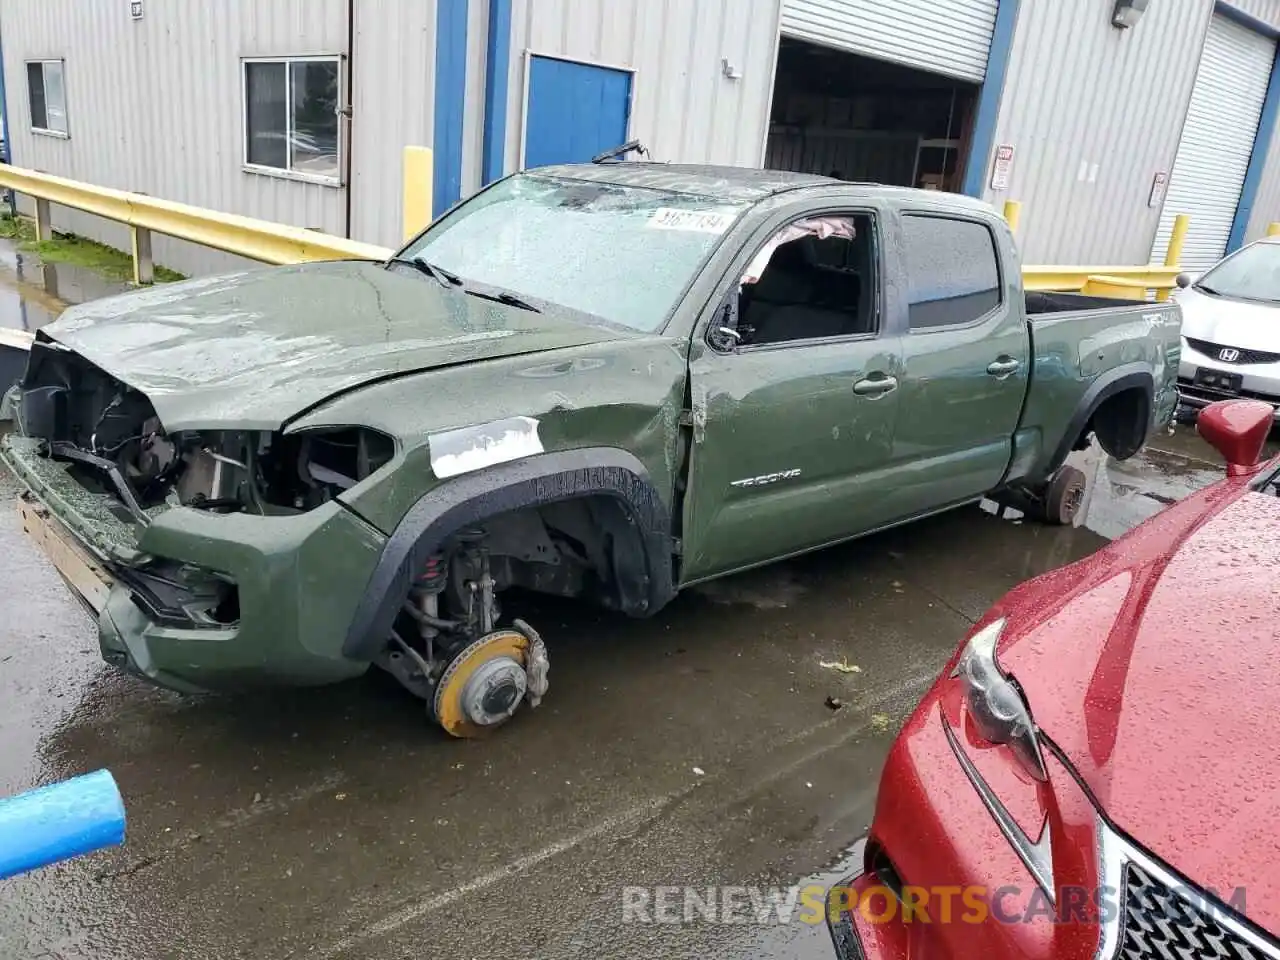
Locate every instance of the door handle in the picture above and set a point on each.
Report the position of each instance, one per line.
(875, 386)
(1003, 367)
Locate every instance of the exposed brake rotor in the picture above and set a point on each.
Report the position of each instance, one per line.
(485, 683)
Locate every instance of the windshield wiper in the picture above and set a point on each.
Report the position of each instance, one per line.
(504, 296)
(443, 276)
(1209, 290)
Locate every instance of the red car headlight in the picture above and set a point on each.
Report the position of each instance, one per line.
(995, 701)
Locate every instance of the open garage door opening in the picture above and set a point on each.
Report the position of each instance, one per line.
(852, 117)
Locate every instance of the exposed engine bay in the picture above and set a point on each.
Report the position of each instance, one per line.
(116, 444)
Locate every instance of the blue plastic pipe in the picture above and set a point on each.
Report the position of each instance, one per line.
(59, 822)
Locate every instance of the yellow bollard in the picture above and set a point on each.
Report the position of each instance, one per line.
(1012, 213)
(416, 213)
(1273, 229)
(1180, 224)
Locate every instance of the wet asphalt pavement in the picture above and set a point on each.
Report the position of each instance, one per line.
(693, 748)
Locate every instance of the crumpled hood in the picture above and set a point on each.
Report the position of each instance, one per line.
(1232, 323)
(253, 349)
(1156, 675)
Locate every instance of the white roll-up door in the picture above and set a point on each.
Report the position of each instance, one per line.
(1217, 140)
(950, 37)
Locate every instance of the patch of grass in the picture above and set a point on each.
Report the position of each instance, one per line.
(78, 251)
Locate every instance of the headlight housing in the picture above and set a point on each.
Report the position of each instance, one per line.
(995, 701)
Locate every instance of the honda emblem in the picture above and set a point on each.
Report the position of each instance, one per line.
(1228, 354)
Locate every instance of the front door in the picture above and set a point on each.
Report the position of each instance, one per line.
(793, 427)
(967, 361)
(575, 111)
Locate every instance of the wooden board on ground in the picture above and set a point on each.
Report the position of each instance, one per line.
(85, 575)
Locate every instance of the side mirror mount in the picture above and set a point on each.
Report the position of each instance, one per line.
(1183, 280)
(724, 334)
(1237, 429)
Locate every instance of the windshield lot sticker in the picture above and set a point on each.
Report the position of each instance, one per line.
(467, 449)
(699, 221)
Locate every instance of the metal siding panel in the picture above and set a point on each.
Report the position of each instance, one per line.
(394, 107)
(155, 106)
(683, 108)
(1114, 98)
(1217, 141)
(951, 37)
(1266, 206)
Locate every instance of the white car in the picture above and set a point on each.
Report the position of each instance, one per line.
(1231, 328)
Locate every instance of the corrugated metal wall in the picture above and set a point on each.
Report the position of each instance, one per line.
(684, 108)
(1218, 141)
(942, 36)
(155, 105)
(393, 106)
(1093, 112)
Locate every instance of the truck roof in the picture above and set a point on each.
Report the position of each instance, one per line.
(732, 183)
(727, 183)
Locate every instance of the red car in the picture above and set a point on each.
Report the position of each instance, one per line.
(1096, 772)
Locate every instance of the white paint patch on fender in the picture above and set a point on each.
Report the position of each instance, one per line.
(468, 449)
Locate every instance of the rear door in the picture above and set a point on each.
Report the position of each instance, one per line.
(965, 356)
(794, 426)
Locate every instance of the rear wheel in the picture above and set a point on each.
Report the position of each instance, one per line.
(1063, 497)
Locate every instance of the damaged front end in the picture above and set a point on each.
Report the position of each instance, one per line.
(112, 441)
(104, 478)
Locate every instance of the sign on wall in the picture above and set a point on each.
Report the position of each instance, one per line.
(1000, 170)
(135, 9)
(1159, 184)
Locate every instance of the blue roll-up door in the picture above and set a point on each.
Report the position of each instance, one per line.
(575, 111)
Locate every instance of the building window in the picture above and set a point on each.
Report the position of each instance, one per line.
(47, 97)
(953, 276)
(291, 116)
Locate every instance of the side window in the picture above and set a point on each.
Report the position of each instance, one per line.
(291, 116)
(46, 97)
(814, 278)
(953, 277)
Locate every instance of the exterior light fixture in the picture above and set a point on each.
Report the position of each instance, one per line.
(1127, 13)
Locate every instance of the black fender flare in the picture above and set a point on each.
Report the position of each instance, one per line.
(1124, 377)
(532, 482)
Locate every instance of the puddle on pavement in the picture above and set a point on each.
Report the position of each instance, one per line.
(33, 293)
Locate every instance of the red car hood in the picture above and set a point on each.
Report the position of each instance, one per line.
(1153, 665)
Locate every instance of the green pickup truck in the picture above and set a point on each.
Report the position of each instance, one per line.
(608, 381)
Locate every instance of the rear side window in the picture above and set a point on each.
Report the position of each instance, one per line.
(953, 277)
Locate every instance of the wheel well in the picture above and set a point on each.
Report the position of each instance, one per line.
(1120, 422)
(588, 546)
(613, 489)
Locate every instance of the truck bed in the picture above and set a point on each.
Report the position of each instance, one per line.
(1042, 302)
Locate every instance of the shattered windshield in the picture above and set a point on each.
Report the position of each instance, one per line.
(624, 254)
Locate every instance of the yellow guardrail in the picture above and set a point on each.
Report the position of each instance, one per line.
(1107, 281)
(244, 236)
(1151, 277)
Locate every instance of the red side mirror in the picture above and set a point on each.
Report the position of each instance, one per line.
(1237, 429)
